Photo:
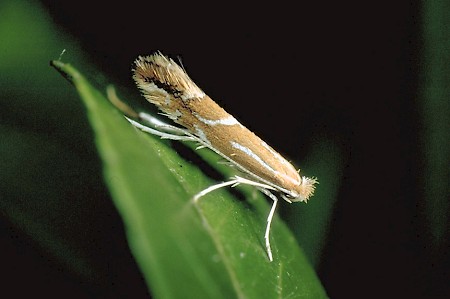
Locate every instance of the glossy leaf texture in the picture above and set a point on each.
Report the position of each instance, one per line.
(210, 249)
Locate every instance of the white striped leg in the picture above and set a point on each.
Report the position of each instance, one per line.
(160, 125)
(233, 182)
(165, 131)
(269, 220)
(186, 137)
(263, 188)
(151, 124)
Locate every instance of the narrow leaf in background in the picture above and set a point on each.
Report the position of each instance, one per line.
(435, 107)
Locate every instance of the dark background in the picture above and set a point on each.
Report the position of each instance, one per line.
(352, 74)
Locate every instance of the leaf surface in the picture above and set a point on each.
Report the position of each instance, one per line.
(210, 249)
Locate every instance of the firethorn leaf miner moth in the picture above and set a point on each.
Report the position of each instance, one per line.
(165, 84)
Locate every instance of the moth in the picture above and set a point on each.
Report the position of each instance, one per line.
(165, 84)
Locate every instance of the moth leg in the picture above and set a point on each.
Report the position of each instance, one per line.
(160, 125)
(269, 220)
(232, 182)
(236, 180)
(162, 134)
(263, 188)
(155, 126)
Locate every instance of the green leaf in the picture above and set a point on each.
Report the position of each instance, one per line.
(434, 94)
(210, 249)
(311, 224)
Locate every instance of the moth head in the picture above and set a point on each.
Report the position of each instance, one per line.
(303, 191)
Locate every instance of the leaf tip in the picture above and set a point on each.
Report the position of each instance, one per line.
(61, 68)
